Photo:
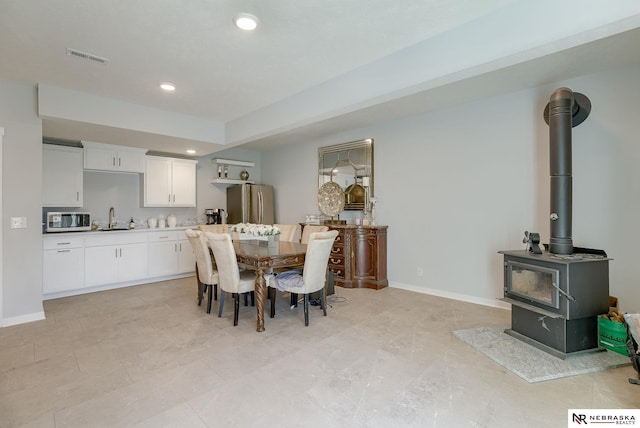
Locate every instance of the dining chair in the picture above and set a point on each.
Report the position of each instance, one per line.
(288, 232)
(230, 277)
(309, 229)
(206, 275)
(217, 228)
(313, 275)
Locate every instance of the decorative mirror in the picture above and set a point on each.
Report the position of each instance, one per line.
(350, 167)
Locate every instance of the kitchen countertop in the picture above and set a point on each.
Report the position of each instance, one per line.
(110, 232)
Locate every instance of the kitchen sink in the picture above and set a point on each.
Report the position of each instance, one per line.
(108, 229)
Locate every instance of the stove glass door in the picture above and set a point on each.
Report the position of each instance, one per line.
(532, 283)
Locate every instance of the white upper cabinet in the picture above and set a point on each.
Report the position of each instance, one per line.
(61, 176)
(107, 157)
(183, 184)
(169, 182)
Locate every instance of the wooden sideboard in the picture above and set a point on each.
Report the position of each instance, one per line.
(359, 256)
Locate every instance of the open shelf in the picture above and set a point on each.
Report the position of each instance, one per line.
(229, 181)
(232, 162)
(231, 172)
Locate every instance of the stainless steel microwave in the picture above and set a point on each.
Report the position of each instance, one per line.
(68, 221)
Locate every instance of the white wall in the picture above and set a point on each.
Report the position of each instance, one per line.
(124, 192)
(606, 183)
(21, 285)
(458, 185)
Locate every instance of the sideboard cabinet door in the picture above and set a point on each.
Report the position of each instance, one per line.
(365, 256)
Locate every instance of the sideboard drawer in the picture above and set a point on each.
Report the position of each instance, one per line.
(337, 261)
(338, 271)
(337, 250)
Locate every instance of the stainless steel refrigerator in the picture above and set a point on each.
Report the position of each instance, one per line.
(250, 203)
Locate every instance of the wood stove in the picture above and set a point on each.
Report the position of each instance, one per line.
(555, 299)
(557, 294)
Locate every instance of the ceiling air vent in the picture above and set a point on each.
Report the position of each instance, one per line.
(87, 56)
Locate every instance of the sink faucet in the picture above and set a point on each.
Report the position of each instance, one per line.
(112, 214)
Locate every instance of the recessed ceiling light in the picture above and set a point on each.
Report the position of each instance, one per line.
(191, 151)
(245, 21)
(168, 86)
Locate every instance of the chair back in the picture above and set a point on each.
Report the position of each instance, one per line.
(316, 260)
(309, 229)
(226, 262)
(203, 256)
(214, 228)
(288, 232)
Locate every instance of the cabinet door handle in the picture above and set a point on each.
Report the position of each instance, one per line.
(113, 161)
(119, 161)
(116, 253)
(120, 252)
(175, 247)
(64, 251)
(63, 243)
(77, 196)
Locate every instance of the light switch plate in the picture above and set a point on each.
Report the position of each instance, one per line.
(18, 222)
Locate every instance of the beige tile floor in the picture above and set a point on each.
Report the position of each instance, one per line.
(148, 356)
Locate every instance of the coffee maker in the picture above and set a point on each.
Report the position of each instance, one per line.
(214, 215)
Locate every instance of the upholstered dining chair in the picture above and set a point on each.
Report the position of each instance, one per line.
(213, 228)
(309, 229)
(230, 278)
(206, 275)
(313, 275)
(288, 232)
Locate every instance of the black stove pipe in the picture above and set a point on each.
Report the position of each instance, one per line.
(565, 110)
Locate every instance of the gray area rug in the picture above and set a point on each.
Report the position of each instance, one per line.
(531, 363)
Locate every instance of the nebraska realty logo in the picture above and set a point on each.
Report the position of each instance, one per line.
(599, 417)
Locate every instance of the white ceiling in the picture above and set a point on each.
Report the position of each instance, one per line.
(313, 67)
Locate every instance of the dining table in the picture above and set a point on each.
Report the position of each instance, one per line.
(262, 257)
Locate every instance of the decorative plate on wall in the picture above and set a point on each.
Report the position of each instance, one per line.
(331, 199)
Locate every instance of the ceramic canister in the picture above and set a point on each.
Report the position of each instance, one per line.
(172, 221)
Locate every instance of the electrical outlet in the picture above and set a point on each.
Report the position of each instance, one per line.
(420, 272)
(18, 222)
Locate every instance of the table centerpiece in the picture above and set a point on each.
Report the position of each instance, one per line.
(260, 234)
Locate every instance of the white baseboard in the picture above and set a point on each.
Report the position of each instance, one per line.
(22, 319)
(39, 316)
(114, 286)
(495, 303)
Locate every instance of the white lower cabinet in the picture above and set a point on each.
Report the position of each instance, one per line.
(116, 257)
(75, 262)
(186, 257)
(63, 264)
(163, 253)
(170, 253)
